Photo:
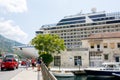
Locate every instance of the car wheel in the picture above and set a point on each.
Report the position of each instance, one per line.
(17, 67)
(2, 69)
(14, 68)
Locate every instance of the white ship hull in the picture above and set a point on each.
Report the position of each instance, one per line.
(26, 51)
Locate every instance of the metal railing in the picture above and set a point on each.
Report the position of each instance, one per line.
(47, 75)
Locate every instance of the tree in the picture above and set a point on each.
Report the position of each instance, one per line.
(47, 58)
(48, 44)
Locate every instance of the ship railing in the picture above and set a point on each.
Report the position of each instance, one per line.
(49, 25)
(47, 75)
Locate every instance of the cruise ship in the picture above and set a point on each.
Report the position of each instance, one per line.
(26, 51)
(73, 28)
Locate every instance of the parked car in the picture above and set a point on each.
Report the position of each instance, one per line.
(23, 62)
(10, 55)
(9, 63)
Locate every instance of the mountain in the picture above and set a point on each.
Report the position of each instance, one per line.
(6, 45)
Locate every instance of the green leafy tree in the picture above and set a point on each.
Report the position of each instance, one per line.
(47, 58)
(48, 44)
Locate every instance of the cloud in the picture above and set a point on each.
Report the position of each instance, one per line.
(13, 5)
(12, 31)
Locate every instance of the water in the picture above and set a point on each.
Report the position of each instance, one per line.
(87, 78)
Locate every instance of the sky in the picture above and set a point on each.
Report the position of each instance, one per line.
(19, 19)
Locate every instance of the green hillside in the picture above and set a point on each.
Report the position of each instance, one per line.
(6, 45)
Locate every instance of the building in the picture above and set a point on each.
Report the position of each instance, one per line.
(71, 59)
(103, 47)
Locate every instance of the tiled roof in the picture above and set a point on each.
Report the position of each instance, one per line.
(105, 35)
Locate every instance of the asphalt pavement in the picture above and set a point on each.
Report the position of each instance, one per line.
(8, 74)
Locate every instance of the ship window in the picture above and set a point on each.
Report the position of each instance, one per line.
(115, 21)
(96, 16)
(70, 19)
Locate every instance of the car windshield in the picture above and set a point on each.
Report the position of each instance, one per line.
(7, 60)
(9, 56)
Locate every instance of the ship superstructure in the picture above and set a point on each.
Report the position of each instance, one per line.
(76, 27)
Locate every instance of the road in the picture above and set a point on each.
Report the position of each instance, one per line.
(8, 74)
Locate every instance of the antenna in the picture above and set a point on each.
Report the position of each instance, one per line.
(80, 13)
(93, 10)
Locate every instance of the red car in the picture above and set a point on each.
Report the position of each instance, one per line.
(23, 63)
(9, 64)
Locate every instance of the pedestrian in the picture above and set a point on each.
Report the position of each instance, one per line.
(27, 63)
(33, 62)
(39, 60)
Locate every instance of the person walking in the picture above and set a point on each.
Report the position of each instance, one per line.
(38, 64)
(33, 61)
(27, 63)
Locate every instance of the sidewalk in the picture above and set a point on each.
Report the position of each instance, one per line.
(28, 75)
